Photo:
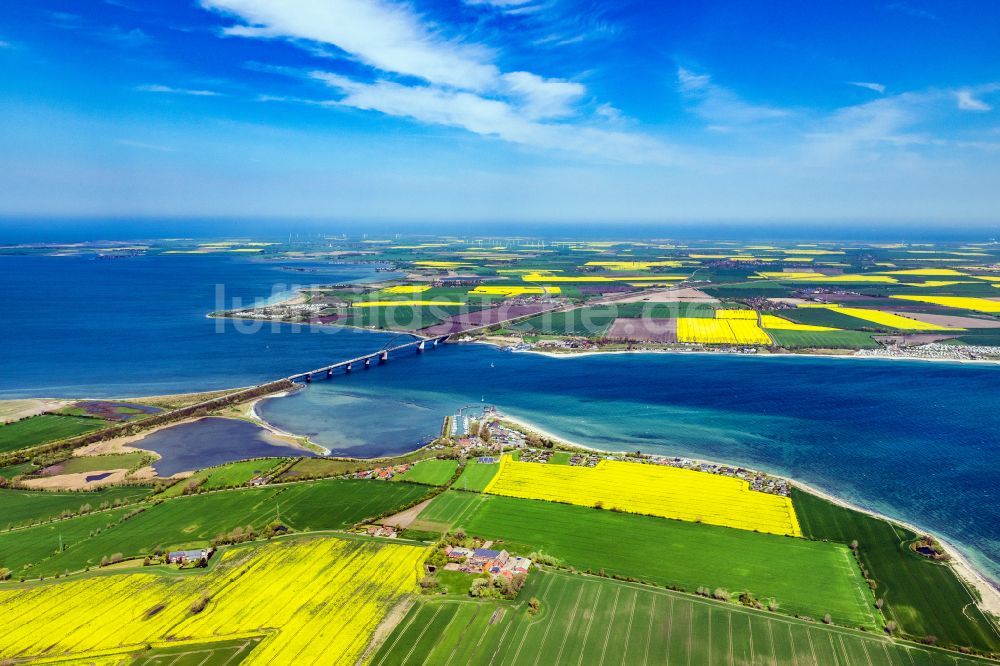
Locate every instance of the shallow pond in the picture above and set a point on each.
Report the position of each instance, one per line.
(212, 441)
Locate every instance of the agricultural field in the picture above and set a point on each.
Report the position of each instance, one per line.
(195, 520)
(10, 471)
(37, 430)
(476, 476)
(224, 476)
(925, 598)
(890, 320)
(591, 288)
(449, 510)
(429, 472)
(799, 339)
(654, 490)
(588, 620)
(23, 507)
(315, 601)
(78, 464)
(585, 322)
(813, 578)
(721, 331)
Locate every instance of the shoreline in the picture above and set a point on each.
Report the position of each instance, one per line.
(590, 352)
(989, 592)
(256, 418)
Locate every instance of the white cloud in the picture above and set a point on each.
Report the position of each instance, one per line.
(156, 88)
(461, 84)
(721, 106)
(876, 87)
(543, 98)
(967, 102)
(386, 36)
(492, 117)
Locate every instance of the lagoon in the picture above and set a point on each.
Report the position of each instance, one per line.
(209, 442)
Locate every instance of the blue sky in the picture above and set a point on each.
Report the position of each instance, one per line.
(548, 110)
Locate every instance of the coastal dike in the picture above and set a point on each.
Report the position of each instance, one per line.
(203, 408)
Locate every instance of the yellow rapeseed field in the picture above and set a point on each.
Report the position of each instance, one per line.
(657, 490)
(893, 320)
(779, 324)
(441, 264)
(720, 331)
(789, 275)
(407, 289)
(736, 314)
(319, 601)
(968, 303)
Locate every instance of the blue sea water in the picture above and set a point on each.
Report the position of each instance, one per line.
(82, 327)
(914, 440)
(917, 441)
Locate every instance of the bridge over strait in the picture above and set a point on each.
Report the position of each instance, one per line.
(379, 356)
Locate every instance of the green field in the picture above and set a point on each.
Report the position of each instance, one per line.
(832, 318)
(322, 467)
(196, 519)
(38, 547)
(476, 476)
(586, 322)
(11, 471)
(429, 472)
(593, 621)
(22, 507)
(922, 596)
(216, 653)
(225, 476)
(78, 464)
(822, 339)
(804, 577)
(449, 510)
(560, 458)
(44, 428)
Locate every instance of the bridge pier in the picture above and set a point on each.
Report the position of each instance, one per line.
(368, 362)
(329, 373)
(436, 340)
(383, 356)
(308, 377)
(420, 347)
(347, 368)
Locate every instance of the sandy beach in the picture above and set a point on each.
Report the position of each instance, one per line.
(989, 594)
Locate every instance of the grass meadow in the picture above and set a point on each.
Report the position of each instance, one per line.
(476, 476)
(38, 430)
(225, 476)
(430, 472)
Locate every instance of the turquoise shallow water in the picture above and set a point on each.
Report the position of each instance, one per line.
(914, 440)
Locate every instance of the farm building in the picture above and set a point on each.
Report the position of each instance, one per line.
(185, 556)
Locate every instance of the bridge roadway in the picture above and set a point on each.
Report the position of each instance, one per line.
(381, 356)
